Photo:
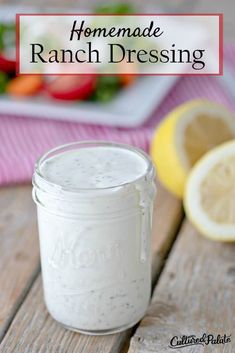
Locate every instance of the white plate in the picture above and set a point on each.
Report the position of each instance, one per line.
(131, 107)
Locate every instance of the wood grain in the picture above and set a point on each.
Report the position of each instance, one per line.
(195, 294)
(34, 331)
(19, 258)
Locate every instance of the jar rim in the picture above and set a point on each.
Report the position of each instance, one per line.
(150, 171)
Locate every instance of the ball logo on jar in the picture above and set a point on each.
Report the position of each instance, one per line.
(70, 253)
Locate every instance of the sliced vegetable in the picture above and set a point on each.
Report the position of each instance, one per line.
(3, 81)
(71, 87)
(7, 47)
(25, 85)
(106, 88)
(128, 73)
(6, 64)
(127, 79)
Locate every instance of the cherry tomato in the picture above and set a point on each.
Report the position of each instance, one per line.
(71, 87)
(6, 64)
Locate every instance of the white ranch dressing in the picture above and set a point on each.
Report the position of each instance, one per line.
(95, 225)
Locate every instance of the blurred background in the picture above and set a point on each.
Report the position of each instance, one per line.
(122, 109)
(227, 7)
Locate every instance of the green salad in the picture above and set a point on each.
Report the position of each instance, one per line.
(98, 88)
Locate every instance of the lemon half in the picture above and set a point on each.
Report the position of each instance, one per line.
(210, 193)
(184, 136)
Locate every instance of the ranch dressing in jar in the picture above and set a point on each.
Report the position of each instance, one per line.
(95, 203)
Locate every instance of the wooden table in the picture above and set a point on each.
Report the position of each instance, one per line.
(193, 281)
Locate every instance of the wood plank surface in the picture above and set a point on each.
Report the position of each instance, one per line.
(34, 331)
(195, 295)
(19, 260)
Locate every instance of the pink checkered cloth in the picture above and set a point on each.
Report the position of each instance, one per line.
(23, 140)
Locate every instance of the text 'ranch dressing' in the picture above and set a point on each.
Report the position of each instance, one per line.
(95, 203)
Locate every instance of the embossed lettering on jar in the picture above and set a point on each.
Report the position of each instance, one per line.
(95, 203)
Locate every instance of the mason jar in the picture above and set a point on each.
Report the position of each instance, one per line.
(94, 206)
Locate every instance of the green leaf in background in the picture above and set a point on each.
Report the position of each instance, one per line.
(2, 30)
(119, 8)
(7, 35)
(106, 88)
(3, 82)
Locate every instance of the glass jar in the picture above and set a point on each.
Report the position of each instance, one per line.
(95, 246)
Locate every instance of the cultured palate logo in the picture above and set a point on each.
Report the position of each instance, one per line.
(183, 341)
